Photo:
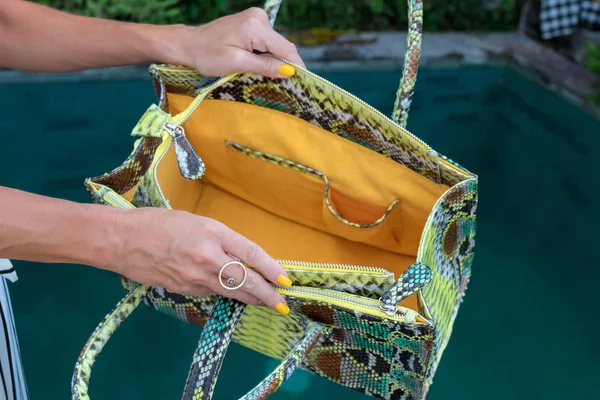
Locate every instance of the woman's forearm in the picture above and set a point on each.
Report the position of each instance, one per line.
(38, 38)
(44, 229)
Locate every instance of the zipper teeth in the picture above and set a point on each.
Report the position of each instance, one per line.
(363, 301)
(154, 173)
(207, 90)
(371, 304)
(120, 202)
(336, 266)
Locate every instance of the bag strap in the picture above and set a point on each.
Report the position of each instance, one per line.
(415, 278)
(208, 356)
(211, 349)
(97, 340)
(411, 56)
(213, 344)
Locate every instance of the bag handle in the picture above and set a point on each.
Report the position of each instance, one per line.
(208, 356)
(98, 338)
(411, 56)
(213, 344)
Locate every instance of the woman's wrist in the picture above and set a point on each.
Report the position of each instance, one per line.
(107, 231)
(101, 245)
(164, 43)
(45, 229)
(88, 234)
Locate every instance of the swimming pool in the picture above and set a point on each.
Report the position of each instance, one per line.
(526, 330)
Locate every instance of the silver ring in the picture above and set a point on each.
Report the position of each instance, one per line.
(231, 281)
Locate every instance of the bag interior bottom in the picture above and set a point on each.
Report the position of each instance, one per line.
(283, 209)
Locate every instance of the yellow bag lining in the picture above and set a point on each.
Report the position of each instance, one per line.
(283, 209)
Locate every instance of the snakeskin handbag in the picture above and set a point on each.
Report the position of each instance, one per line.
(381, 225)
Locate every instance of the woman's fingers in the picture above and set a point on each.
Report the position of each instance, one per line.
(227, 46)
(201, 282)
(280, 46)
(262, 266)
(261, 37)
(251, 254)
(264, 65)
(235, 271)
(265, 39)
(238, 279)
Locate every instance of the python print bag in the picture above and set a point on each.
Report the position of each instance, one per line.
(381, 226)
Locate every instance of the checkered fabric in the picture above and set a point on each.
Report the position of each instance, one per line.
(12, 378)
(563, 17)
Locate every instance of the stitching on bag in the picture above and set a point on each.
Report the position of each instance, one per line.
(284, 162)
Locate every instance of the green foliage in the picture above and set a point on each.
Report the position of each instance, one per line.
(363, 15)
(148, 11)
(468, 15)
(155, 12)
(593, 58)
(593, 64)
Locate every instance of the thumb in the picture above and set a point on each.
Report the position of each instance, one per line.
(267, 66)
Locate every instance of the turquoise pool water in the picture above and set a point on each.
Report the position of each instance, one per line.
(528, 326)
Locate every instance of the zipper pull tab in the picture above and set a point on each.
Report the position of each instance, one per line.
(190, 164)
(412, 280)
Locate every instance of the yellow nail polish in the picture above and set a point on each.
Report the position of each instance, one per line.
(282, 309)
(287, 70)
(284, 281)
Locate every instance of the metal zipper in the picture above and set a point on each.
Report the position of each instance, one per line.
(371, 304)
(174, 130)
(353, 302)
(198, 100)
(162, 155)
(340, 267)
(117, 201)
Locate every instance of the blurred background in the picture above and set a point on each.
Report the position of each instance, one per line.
(359, 15)
(507, 88)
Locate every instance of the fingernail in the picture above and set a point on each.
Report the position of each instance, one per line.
(287, 70)
(282, 309)
(284, 281)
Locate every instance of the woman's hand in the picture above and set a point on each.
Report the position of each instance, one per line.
(34, 37)
(173, 249)
(184, 253)
(226, 46)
